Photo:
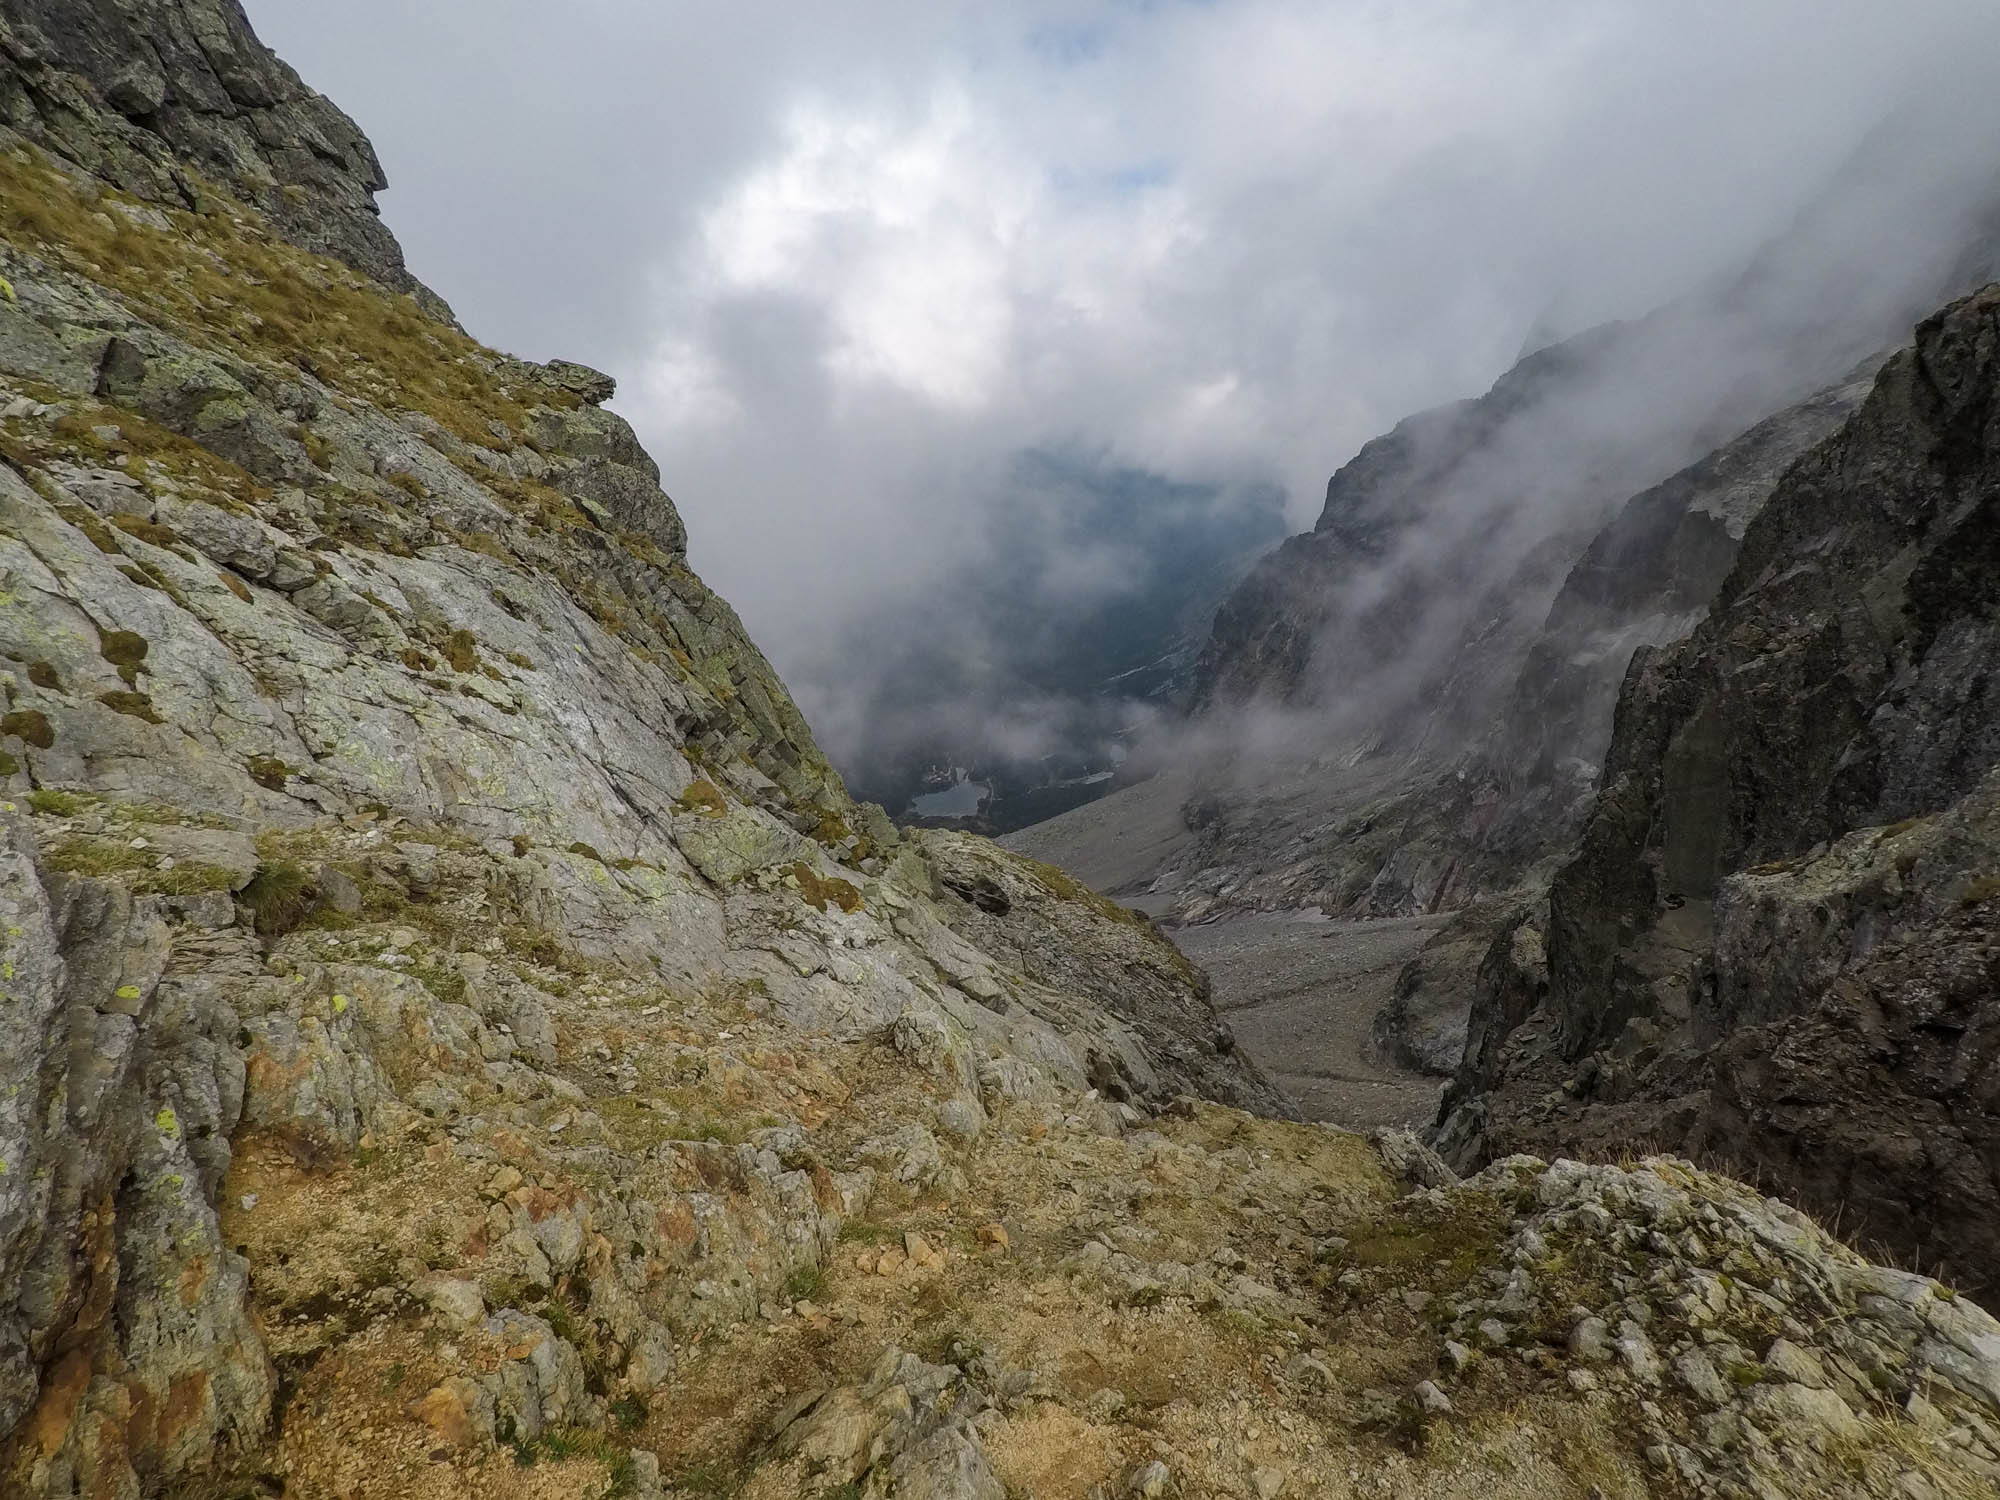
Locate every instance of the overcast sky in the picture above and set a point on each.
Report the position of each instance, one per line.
(847, 260)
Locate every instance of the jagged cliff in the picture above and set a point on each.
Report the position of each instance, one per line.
(457, 1036)
(1776, 941)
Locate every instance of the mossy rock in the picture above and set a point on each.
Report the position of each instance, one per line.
(281, 895)
(703, 796)
(29, 724)
(138, 705)
(126, 650)
(269, 772)
(820, 892)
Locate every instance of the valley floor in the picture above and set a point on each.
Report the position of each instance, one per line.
(1299, 992)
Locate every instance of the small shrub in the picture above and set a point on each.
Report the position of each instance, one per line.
(54, 804)
(43, 675)
(629, 1410)
(587, 851)
(1985, 888)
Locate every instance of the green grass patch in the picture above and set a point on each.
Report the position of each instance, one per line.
(709, 1480)
(806, 1283)
(1442, 1246)
(109, 859)
(866, 1232)
(704, 797)
(629, 1411)
(280, 896)
(442, 979)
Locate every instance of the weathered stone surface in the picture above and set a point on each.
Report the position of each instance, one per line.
(122, 1086)
(907, 1428)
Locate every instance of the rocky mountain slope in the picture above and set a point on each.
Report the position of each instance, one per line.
(1776, 942)
(1385, 826)
(458, 1037)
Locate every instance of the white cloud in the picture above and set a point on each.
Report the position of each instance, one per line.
(850, 259)
(905, 235)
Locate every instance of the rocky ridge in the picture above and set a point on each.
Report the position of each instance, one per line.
(457, 1035)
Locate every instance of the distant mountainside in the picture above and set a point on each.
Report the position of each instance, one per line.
(1431, 669)
(1073, 620)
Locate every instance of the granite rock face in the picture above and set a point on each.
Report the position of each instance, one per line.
(1775, 941)
(1436, 661)
(123, 1086)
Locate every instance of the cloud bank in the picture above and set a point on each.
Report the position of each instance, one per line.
(851, 262)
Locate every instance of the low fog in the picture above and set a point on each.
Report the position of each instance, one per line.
(854, 268)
